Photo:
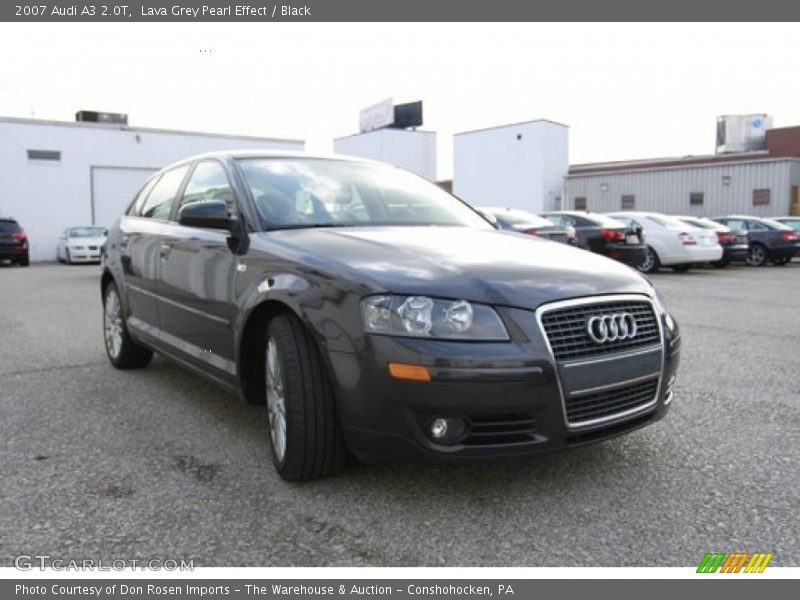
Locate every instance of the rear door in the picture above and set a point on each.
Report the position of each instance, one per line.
(139, 238)
(196, 269)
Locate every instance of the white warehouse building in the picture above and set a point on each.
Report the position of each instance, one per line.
(58, 174)
(414, 151)
(760, 177)
(522, 166)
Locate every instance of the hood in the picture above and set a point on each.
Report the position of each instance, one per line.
(487, 266)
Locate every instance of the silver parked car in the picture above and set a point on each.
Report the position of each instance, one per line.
(81, 244)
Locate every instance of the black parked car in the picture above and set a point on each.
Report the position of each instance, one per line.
(603, 235)
(793, 222)
(769, 240)
(530, 224)
(376, 314)
(735, 244)
(13, 242)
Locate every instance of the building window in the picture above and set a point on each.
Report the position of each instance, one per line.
(696, 199)
(580, 203)
(760, 197)
(44, 155)
(628, 202)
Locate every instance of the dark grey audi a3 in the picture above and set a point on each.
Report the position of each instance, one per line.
(377, 316)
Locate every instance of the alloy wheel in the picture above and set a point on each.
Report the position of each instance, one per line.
(113, 323)
(649, 260)
(276, 400)
(756, 256)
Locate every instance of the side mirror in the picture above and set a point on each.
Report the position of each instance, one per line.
(208, 215)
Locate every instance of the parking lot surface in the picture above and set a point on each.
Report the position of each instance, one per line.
(157, 463)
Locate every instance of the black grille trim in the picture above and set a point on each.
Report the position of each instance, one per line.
(606, 404)
(503, 430)
(565, 329)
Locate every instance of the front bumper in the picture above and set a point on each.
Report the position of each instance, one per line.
(734, 252)
(82, 256)
(510, 394)
(630, 255)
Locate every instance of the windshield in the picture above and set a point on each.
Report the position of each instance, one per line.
(306, 192)
(603, 220)
(517, 219)
(87, 232)
(666, 221)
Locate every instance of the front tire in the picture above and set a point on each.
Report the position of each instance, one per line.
(67, 258)
(681, 268)
(651, 262)
(720, 264)
(304, 430)
(757, 255)
(122, 351)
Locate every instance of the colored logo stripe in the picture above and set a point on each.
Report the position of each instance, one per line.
(734, 562)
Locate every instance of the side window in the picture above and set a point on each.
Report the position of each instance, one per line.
(158, 204)
(756, 226)
(136, 206)
(209, 181)
(734, 224)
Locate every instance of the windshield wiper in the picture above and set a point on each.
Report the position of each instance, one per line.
(312, 226)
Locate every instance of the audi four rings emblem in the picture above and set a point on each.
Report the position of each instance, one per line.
(611, 328)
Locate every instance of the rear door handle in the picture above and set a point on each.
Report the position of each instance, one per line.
(164, 251)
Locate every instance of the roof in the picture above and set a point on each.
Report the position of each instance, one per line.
(665, 163)
(113, 126)
(256, 153)
(513, 125)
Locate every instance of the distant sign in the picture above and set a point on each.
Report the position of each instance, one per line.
(376, 116)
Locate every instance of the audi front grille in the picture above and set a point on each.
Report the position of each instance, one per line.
(569, 338)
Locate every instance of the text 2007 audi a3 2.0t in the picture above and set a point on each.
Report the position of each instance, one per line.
(376, 315)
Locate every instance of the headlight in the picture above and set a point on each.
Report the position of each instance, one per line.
(662, 310)
(421, 316)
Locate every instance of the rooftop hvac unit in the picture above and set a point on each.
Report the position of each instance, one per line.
(742, 133)
(91, 116)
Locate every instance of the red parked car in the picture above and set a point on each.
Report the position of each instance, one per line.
(13, 242)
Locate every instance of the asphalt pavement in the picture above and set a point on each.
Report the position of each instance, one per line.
(157, 463)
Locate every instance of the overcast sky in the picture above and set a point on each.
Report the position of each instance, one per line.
(626, 91)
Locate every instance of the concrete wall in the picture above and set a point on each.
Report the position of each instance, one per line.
(412, 150)
(47, 196)
(727, 188)
(517, 166)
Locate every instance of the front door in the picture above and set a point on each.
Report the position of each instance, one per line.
(196, 268)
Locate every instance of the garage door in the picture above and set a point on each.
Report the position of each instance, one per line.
(113, 188)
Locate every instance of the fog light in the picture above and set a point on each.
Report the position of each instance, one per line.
(439, 428)
(447, 430)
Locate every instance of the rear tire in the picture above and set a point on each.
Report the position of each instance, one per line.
(757, 255)
(720, 264)
(651, 262)
(25, 261)
(122, 351)
(781, 262)
(304, 430)
(67, 258)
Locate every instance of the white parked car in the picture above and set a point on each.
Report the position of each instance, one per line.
(671, 242)
(81, 244)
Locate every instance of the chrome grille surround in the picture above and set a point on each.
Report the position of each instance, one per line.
(601, 303)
